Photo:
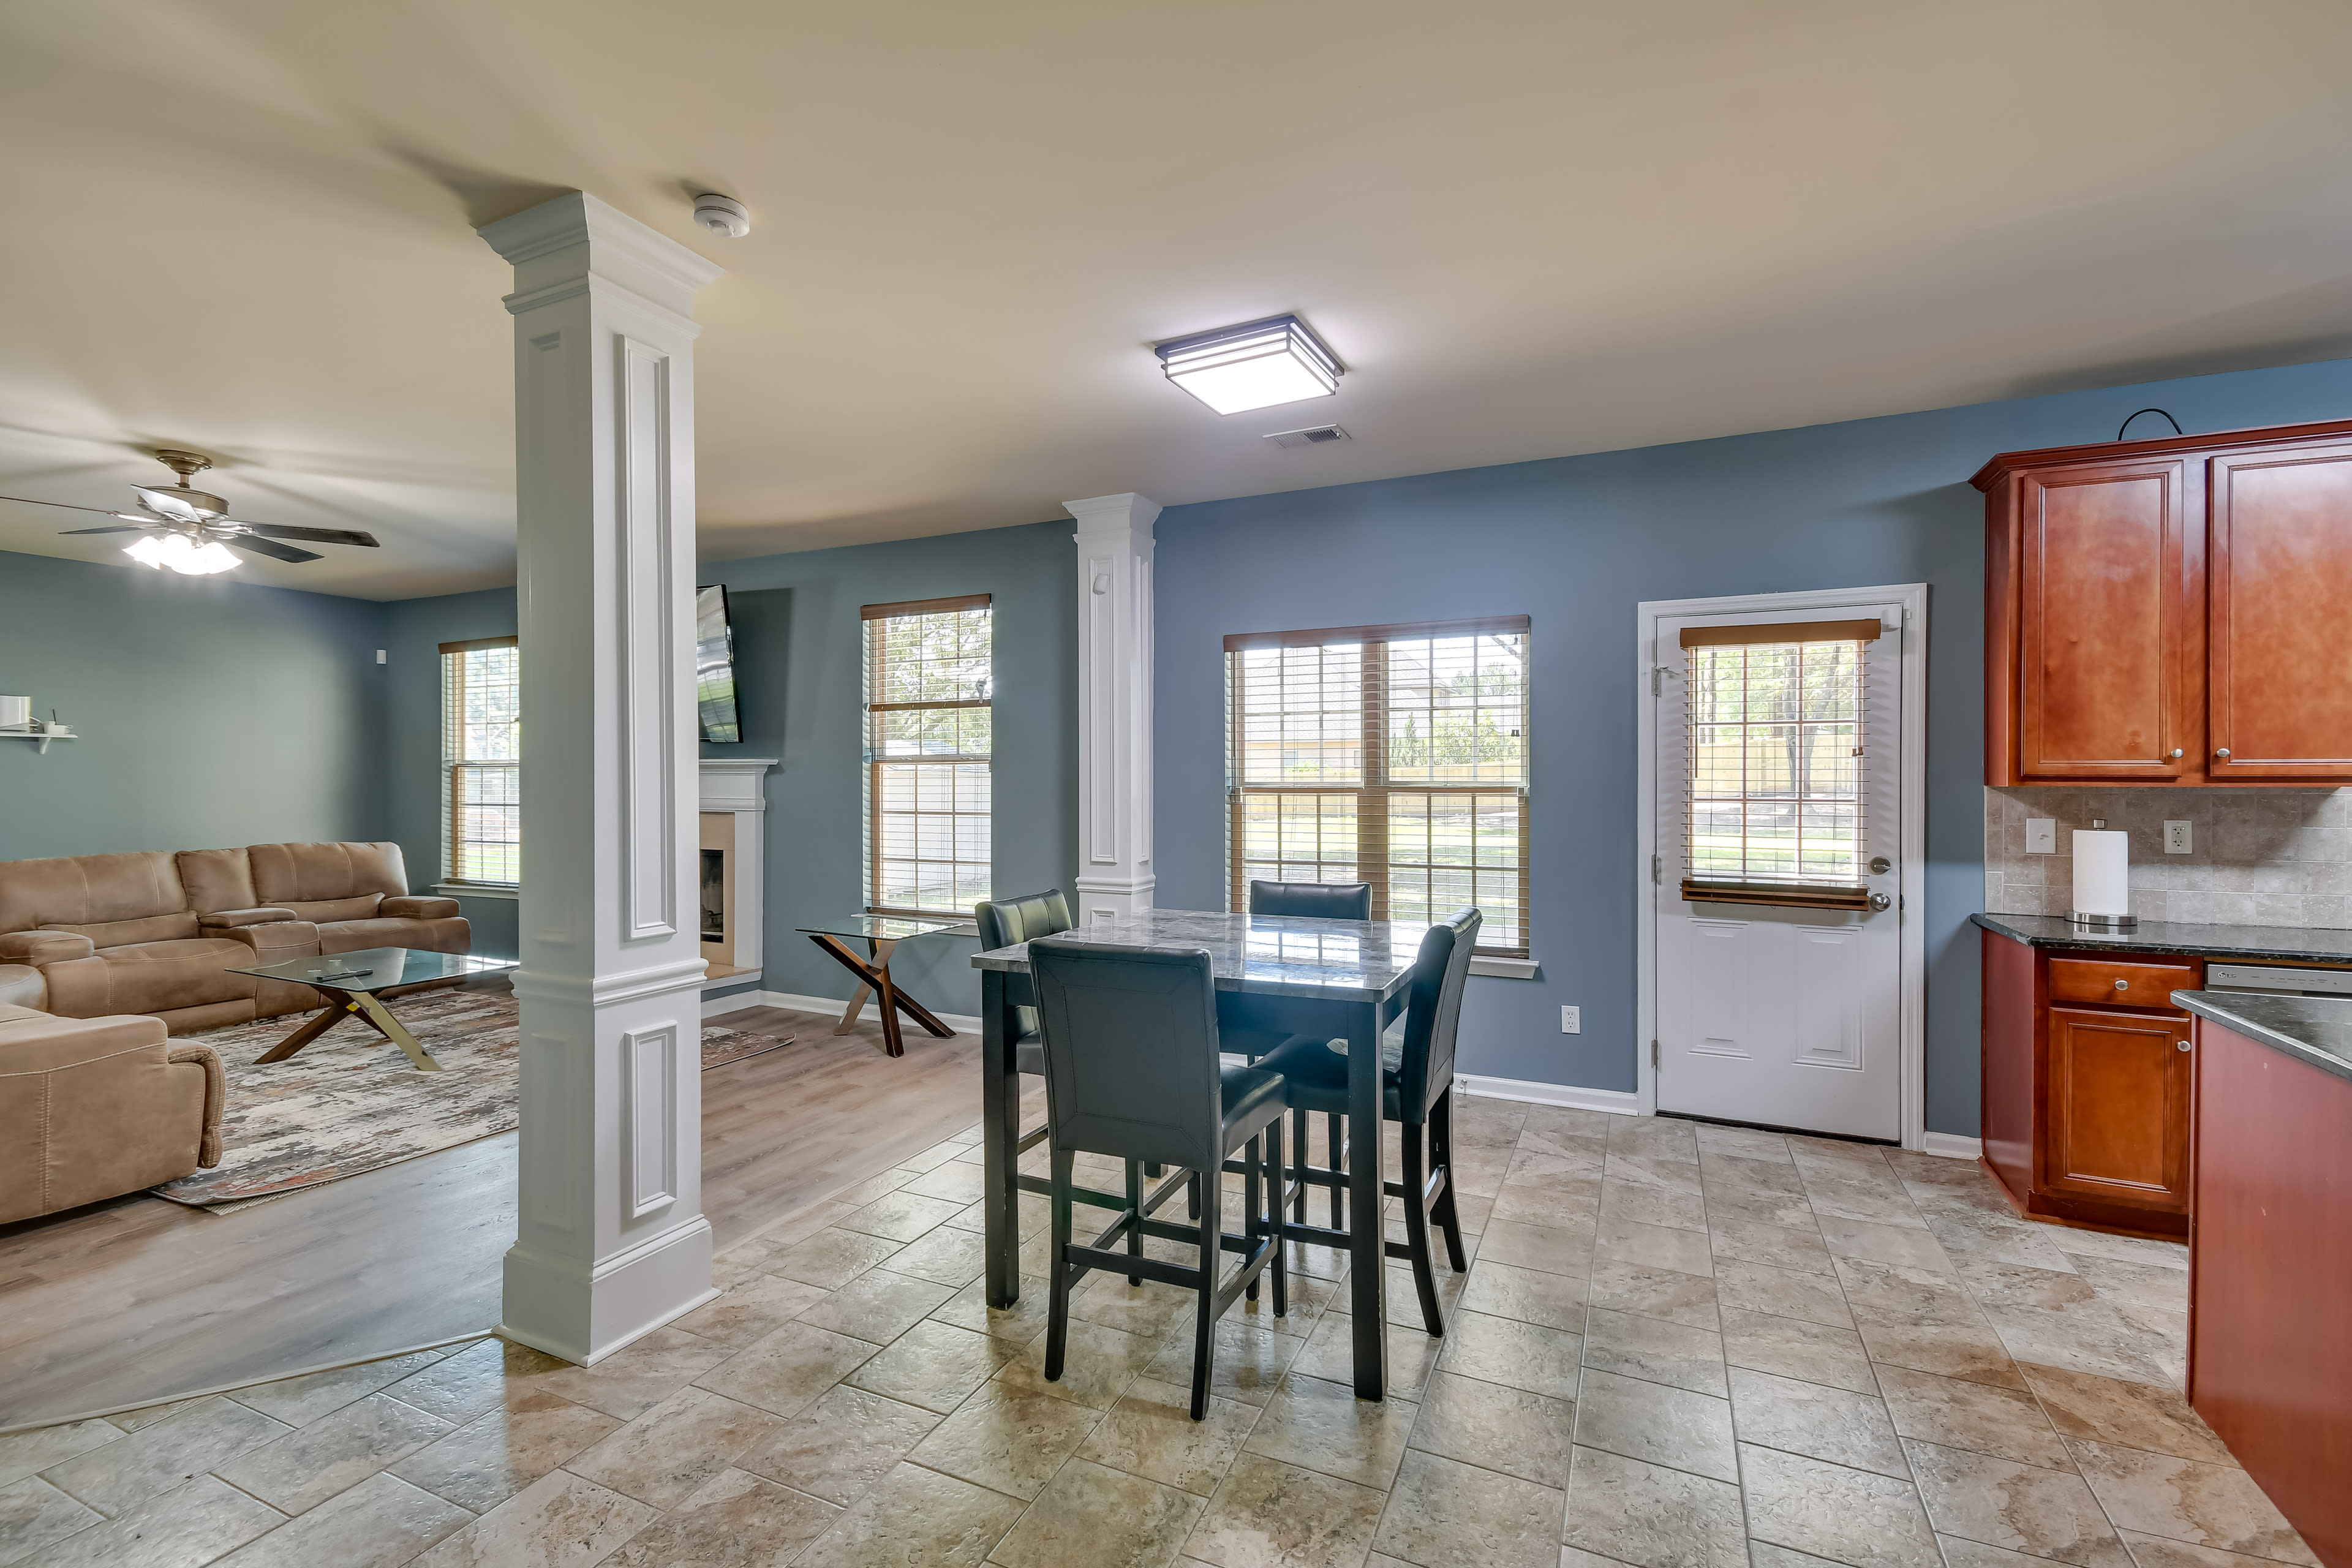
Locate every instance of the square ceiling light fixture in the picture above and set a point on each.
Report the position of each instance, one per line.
(1254, 366)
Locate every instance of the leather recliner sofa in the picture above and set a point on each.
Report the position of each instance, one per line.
(89, 936)
(91, 1108)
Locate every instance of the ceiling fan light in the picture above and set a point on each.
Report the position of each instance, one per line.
(1257, 365)
(150, 551)
(182, 554)
(206, 559)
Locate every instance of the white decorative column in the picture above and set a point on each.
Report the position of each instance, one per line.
(1114, 539)
(611, 1241)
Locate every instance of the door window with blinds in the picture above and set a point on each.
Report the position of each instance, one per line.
(1393, 755)
(929, 740)
(482, 761)
(1775, 784)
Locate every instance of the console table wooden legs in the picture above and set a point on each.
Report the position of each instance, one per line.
(874, 979)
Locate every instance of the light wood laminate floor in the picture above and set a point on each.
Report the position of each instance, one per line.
(138, 1299)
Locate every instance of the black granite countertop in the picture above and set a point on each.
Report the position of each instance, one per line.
(2314, 1030)
(2283, 943)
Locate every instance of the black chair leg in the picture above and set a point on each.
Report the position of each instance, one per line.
(1416, 1229)
(1441, 1158)
(1298, 1136)
(1205, 1315)
(1254, 1203)
(1135, 1207)
(1333, 1125)
(1277, 1232)
(1193, 1197)
(1057, 1314)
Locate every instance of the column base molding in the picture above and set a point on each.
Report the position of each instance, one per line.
(618, 1302)
(1104, 899)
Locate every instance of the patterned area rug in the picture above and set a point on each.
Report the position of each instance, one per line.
(349, 1101)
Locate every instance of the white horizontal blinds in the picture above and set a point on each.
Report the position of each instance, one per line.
(481, 758)
(929, 740)
(1775, 753)
(1392, 755)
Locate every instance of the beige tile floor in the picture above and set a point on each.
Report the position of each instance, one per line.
(1679, 1346)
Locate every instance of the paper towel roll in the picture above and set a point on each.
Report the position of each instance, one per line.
(2102, 872)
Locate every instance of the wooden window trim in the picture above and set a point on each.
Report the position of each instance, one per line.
(472, 643)
(1868, 630)
(1403, 631)
(923, 606)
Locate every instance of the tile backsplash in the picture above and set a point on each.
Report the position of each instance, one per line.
(2261, 856)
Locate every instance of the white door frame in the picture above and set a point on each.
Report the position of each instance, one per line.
(1912, 750)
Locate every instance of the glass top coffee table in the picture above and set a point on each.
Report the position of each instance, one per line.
(356, 985)
(882, 934)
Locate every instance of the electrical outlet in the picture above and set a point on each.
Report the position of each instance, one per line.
(2041, 835)
(1571, 1020)
(2177, 838)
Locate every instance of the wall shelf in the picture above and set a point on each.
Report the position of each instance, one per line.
(42, 736)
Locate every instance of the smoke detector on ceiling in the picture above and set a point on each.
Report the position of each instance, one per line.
(1314, 436)
(722, 215)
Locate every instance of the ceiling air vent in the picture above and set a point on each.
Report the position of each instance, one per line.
(1318, 436)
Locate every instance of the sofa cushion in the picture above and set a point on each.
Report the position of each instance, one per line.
(451, 935)
(149, 977)
(293, 875)
(21, 985)
(110, 898)
(216, 880)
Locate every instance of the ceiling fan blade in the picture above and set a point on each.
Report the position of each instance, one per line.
(164, 504)
(271, 548)
(315, 535)
(117, 528)
(69, 506)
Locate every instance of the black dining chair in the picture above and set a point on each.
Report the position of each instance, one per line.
(1131, 1072)
(1416, 1092)
(1316, 900)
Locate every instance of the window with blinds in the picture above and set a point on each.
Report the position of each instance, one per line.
(929, 737)
(1776, 755)
(1394, 755)
(482, 761)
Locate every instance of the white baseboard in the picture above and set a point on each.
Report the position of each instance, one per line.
(1950, 1145)
(831, 1006)
(1614, 1102)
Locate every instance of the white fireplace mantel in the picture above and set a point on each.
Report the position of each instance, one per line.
(736, 789)
(735, 784)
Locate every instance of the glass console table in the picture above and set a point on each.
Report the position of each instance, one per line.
(357, 983)
(882, 934)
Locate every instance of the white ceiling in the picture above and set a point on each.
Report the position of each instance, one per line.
(1528, 228)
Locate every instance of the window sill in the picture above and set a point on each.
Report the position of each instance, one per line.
(478, 891)
(1506, 968)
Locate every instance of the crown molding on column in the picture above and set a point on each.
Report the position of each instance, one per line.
(566, 239)
(1100, 514)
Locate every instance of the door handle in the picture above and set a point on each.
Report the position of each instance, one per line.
(1881, 901)
(1880, 864)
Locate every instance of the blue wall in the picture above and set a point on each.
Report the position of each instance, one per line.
(1575, 544)
(210, 712)
(799, 653)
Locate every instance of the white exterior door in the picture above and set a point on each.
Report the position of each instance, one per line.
(1780, 1015)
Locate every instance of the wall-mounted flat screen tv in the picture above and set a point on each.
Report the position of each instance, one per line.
(714, 666)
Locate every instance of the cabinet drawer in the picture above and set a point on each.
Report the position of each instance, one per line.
(2120, 983)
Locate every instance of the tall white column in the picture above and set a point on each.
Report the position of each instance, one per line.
(611, 1241)
(1114, 541)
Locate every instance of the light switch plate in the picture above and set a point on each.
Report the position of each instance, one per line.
(2179, 838)
(1571, 1020)
(2041, 835)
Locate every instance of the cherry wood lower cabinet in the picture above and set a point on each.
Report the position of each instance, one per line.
(2086, 1086)
(2270, 1287)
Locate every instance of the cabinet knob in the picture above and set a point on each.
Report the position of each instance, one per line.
(2123, 985)
(2223, 752)
(2181, 1044)
(2173, 755)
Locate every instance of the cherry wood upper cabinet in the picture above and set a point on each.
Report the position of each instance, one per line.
(2171, 612)
(2281, 594)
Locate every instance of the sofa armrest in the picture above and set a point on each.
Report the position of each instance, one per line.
(229, 919)
(417, 909)
(22, 986)
(208, 1151)
(39, 947)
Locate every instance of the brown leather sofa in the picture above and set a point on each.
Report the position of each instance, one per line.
(91, 1108)
(156, 931)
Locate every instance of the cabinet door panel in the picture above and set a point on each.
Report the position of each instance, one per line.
(2281, 616)
(2118, 1108)
(2107, 623)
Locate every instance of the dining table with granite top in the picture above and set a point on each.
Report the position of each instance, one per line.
(1336, 979)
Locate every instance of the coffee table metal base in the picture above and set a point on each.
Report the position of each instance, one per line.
(369, 1010)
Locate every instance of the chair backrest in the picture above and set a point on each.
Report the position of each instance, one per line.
(1432, 1010)
(1007, 922)
(1322, 901)
(1130, 1038)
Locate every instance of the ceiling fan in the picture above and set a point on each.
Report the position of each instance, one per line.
(186, 529)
